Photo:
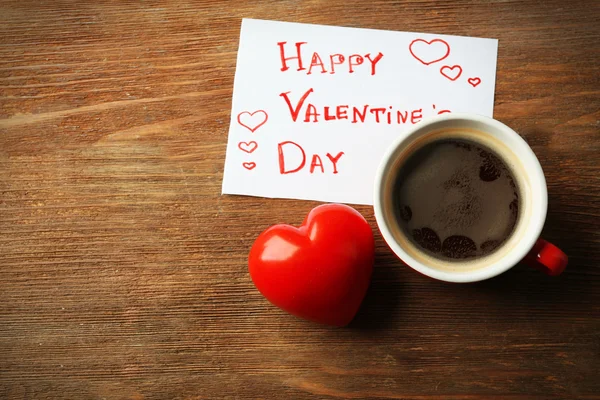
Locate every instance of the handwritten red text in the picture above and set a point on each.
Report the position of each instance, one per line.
(293, 150)
(293, 55)
(304, 111)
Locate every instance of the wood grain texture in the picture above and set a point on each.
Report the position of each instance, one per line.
(123, 270)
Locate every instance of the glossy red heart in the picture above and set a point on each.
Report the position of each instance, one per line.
(319, 271)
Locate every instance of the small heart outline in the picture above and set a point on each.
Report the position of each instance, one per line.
(410, 48)
(251, 114)
(249, 165)
(451, 68)
(248, 147)
(474, 81)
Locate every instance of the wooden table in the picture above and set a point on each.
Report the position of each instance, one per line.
(123, 270)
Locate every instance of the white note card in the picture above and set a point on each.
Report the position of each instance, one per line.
(315, 107)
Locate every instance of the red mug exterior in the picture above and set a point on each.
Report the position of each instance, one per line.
(546, 257)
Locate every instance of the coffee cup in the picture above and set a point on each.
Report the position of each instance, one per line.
(429, 190)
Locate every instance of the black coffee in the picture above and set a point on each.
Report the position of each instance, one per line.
(456, 199)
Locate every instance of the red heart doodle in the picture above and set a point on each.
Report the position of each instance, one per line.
(249, 165)
(251, 121)
(474, 81)
(452, 72)
(429, 52)
(248, 147)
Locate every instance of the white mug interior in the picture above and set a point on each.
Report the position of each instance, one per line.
(518, 156)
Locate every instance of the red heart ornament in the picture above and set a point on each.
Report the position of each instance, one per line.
(319, 271)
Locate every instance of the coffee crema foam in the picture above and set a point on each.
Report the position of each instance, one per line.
(456, 199)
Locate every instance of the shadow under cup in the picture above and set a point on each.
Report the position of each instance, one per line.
(518, 158)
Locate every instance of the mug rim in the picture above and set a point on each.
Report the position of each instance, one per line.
(532, 230)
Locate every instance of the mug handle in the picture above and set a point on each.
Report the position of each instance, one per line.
(547, 258)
